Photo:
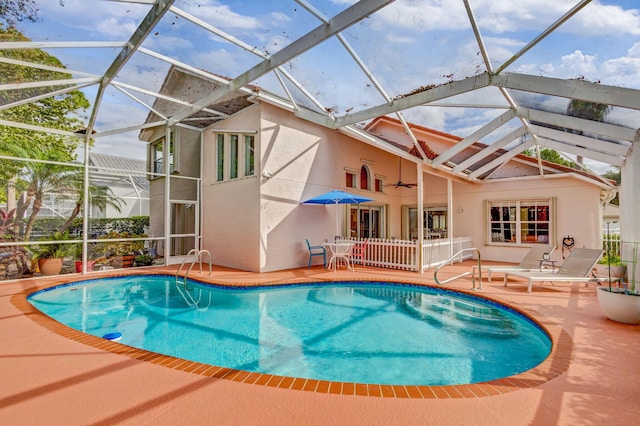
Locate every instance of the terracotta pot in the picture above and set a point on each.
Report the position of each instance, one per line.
(125, 261)
(90, 265)
(50, 266)
(618, 306)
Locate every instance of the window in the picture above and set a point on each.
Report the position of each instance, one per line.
(220, 157)
(350, 180)
(249, 161)
(157, 155)
(366, 221)
(434, 222)
(520, 222)
(235, 156)
(364, 178)
(233, 153)
(379, 185)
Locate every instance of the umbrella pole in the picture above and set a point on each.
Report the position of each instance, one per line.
(338, 220)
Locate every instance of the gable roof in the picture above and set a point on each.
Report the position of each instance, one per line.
(526, 166)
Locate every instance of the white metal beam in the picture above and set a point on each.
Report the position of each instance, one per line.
(8, 45)
(498, 162)
(600, 145)
(39, 128)
(485, 152)
(586, 153)
(570, 89)
(587, 126)
(425, 96)
(49, 83)
(474, 137)
(564, 18)
(343, 20)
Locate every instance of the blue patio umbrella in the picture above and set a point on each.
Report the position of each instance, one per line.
(337, 197)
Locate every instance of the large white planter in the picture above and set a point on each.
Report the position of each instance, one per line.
(619, 307)
(617, 271)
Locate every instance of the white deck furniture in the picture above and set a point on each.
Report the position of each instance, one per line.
(340, 252)
(577, 267)
(531, 262)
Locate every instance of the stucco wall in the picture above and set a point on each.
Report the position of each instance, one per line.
(577, 213)
(231, 210)
(258, 224)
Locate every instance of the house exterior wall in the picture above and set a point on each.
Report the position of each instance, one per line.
(231, 209)
(303, 160)
(257, 223)
(577, 213)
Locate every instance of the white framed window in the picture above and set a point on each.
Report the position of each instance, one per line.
(156, 155)
(249, 155)
(367, 221)
(220, 157)
(434, 222)
(350, 179)
(234, 155)
(520, 222)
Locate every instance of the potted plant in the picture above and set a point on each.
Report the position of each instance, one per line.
(143, 260)
(622, 303)
(13, 258)
(121, 254)
(50, 255)
(91, 257)
(611, 265)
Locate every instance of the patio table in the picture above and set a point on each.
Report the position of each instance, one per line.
(340, 250)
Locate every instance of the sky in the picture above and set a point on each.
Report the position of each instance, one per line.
(406, 45)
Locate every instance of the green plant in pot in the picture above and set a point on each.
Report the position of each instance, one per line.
(50, 255)
(92, 256)
(622, 303)
(611, 265)
(143, 260)
(122, 253)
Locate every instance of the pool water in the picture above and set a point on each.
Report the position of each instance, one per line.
(362, 332)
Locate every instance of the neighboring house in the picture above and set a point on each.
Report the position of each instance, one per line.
(127, 179)
(124, 176)
(611, 216)
(259, 161)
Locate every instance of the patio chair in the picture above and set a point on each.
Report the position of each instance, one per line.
(531, 262)
(316, 251)
(359, 251)
(577, 267)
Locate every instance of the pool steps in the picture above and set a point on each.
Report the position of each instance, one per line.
(465, 315)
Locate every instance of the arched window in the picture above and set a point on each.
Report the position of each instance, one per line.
(365, 182)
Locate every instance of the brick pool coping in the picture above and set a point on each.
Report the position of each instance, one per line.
(554, 365)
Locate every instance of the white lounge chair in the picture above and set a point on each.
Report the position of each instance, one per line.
(576, 267)
(531, 262)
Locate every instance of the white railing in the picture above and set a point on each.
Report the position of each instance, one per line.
(403, 254)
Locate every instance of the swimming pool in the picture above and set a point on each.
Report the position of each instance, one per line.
(363, 332)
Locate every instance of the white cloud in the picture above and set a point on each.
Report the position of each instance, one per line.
(579, 65)
(222, 16)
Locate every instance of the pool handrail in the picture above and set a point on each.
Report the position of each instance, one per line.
(464, 274)
(196, 259)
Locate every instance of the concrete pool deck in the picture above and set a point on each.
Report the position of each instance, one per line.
(47, 377)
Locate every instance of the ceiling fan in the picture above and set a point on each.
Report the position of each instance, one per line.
(400, 183)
